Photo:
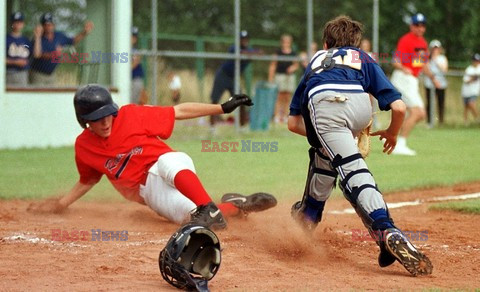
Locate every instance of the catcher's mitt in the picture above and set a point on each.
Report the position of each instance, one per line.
(190, 258)
(363, 142)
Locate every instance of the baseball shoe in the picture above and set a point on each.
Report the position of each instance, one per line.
(400, 247)
(209, 216)
(404, 150)
(254, 203)
(306, 223)
(385, 258)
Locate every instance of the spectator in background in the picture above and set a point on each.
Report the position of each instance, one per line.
(305, 58)
(19, 49)
(409, 60)
(437, 67)
(138, 94)
(282, 73)
(471, 88)
(47, 45)
(224, 77)
(175, 84)
(366, 46)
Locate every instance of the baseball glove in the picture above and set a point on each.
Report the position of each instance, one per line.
(363, 142)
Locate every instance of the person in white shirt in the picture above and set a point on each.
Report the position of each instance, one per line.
(471, 88)
(438, 66)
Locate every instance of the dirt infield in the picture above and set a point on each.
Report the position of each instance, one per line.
(265, 252)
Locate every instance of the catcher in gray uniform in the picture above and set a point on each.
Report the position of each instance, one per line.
(330, 107)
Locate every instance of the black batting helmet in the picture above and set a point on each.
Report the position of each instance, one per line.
(93, 102)
(190, 258)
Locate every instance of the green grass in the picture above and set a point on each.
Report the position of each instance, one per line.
(468, 206)
(445, 156)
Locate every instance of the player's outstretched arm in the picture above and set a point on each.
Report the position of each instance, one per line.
(297, 125)
(191, 110)
(398, 109)
(57, 205)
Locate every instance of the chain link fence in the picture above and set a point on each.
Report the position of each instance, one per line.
(193, 58)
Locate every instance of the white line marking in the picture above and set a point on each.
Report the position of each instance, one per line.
(25, 237)
(29, 238)
(415, 203)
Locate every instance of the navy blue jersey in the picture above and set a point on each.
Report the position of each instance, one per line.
(228, 67)
(46, 65)
(18, 48)
(359, 73)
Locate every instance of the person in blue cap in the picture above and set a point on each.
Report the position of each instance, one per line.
(19, 50)
(138, 93)
(224, 77)
(47, 44)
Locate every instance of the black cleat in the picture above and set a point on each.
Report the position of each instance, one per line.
(297, 215)
(385, 258)
(254, 203)
(400, 247)
(209, 216)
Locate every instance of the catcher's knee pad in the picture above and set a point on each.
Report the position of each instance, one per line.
(320, 181)
(321, 178)
(360, 189)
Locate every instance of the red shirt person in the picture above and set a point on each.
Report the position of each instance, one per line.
(409, 60)
(127, 146)
(412, 52)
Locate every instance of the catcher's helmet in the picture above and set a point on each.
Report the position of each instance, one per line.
(93, 102)
(190, 258)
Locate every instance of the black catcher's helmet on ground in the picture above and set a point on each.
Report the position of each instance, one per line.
(93, 102)
(190, 258)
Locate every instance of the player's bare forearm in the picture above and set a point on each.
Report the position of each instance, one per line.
(297, 125)
(191, 110)
(389, 135)
(59, 204)
(398, 109)
(74, 194)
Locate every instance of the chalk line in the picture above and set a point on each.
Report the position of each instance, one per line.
(416, 202)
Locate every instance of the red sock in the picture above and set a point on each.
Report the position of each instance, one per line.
(228, 209)
(187, 182)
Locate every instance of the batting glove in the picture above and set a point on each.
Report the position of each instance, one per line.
(235, 101)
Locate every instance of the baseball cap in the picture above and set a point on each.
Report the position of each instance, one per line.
(419, 18)
(244, 34)
(46, 17)
(435, 44)
(17, 16)
(134, 30)
(476, 57)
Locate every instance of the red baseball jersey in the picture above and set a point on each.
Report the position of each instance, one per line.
(412, 51)
(134, 145)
